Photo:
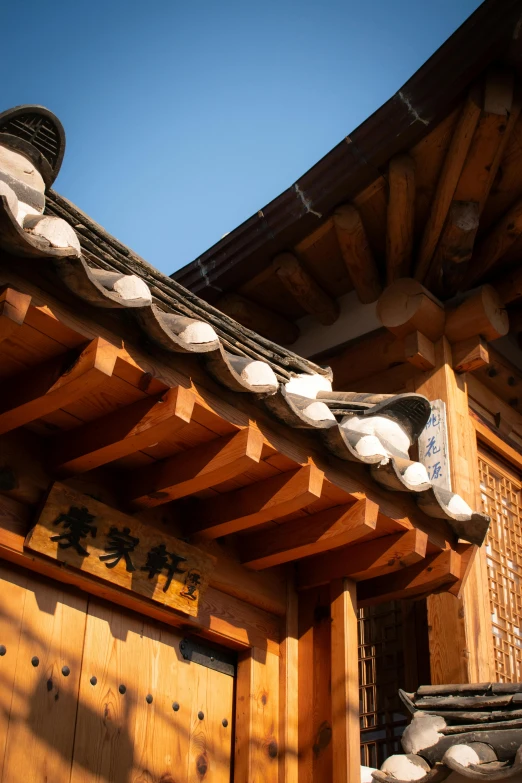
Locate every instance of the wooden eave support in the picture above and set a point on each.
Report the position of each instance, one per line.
(435, 573)
(199, 468)
(252, 315)
(13, 309)
(509, 287)
(54, 384)
(481, 313)
(305, 290)
(400, 217)
(470, 355)
(363, 561)
(334, 527)
(449, 177)
(496, 243)
(357, 253)
(267, 500)
(123, 432)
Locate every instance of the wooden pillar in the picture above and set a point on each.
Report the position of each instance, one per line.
(345, 683)
(461, 643)
(288, 689)
(257, 717)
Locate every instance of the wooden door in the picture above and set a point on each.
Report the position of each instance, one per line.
(110, 698)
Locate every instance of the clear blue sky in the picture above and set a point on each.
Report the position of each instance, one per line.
(185, 118)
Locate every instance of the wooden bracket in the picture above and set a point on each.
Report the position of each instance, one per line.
(470, 354)
(262, 502)
(310, 535)
(199, 468)
(123, 432)
(56, 383)
(419, 351)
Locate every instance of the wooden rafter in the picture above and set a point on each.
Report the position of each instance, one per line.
(357, 253)
(305, 290)
(434, 573)
(310, 535)
(368, 560)
(496, 243)
(449, 177)
(13, 309)
(199, 468)
(400, 217)
(267, 500)
(123, 432)
(54, 384)
(252, 315)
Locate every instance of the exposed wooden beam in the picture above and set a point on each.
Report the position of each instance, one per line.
(509, 287)
(469, 355)
(482, 314)
(364, 561)
(448, 179)
(406, 307)
(428, 576)
(496, 243)
(305, 290)
(455, 246)
(346, 761)
(357, 253)
(503, 378)
(419, 351)
(400, 217)
(267, 500)
(13, 309)
(55, 383)
(310, 535)
(123, 432)
(252, 315)
(199, 468)
(373, 353)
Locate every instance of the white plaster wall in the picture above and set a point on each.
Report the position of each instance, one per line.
(355, 319)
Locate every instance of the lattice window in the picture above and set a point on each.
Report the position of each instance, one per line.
(502, 500)
(381, 673)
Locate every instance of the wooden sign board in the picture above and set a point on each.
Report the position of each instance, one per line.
(433, 446)
(98, 540)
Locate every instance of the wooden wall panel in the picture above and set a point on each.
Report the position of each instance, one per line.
(44, 699)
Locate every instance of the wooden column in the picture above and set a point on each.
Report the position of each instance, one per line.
(288, 689)
(461, 646)
(345, 682)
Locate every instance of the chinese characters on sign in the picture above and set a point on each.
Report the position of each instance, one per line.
(433, 446)
(98, 540)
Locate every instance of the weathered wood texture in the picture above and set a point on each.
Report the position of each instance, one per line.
(357, 253)
(257, 717)
(302, 286)
(400, 217)
(259, 319)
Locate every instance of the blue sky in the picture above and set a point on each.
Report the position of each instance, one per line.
(184, 118)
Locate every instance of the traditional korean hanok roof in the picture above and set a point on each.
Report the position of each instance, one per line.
(475, 730)
(376, 430)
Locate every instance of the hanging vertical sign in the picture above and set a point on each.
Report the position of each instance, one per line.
(100, 541)
(433, 446)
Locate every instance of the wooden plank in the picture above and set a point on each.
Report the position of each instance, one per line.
(200, 468)
(305, 289)
(345, 683)
(357, 253)
(400, 217)
(432, 574)
(123, 432)
(315, 700)
(364, 561)
(259, 319)
(13, 310)
(43, 708)
(309, 535)
(40, 391)
(222, 617)
(289, 689)
(448, 179)
(13, 584)
(257, 717)
(469, 355)
(267, 500)
(104, 543)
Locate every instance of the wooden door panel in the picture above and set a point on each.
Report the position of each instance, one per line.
(40, 734)
(124, 737)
